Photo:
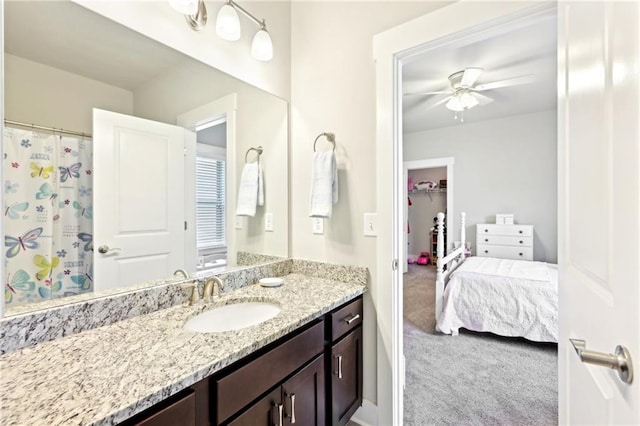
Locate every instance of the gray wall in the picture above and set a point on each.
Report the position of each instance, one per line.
(508, 165)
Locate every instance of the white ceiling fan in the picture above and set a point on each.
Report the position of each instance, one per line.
(464, 94)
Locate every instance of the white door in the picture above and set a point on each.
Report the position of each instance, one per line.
(599, 214)
(139, 198)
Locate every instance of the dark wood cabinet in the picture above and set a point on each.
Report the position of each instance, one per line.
(346, 377)
(311, 377)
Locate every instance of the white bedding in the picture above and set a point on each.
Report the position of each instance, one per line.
(505, 297)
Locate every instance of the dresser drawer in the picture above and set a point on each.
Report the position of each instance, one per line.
(346, 318)
(505, 252)
(505, 241)
(512, 230)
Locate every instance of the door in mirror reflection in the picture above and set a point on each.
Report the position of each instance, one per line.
(139, 225)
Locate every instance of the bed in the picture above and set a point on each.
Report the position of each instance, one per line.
(501, 296)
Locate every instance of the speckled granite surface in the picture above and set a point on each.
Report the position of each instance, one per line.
(330, 271)
(105, 375)
(64, 317)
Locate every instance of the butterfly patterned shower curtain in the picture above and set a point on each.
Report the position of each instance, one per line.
(48, 216)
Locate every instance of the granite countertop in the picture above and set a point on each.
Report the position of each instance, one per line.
(105, 375)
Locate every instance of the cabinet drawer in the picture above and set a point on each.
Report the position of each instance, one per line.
(346, 318)
(513, 230)
(243, 385)
(505, 241)
(505, 252)
(179, 413)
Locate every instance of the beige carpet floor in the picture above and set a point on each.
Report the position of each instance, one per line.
(419, 297)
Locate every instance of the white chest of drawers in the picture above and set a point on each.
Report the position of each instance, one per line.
(504, 241)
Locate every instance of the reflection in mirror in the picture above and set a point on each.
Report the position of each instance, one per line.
(78, 202)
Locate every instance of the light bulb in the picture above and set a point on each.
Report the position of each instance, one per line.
(186, 7)
(228, 23)
(262, 47)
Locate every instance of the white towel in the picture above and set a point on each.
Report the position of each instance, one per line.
(324, 184)
(251, 191)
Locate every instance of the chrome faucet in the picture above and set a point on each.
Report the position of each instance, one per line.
(212, 287)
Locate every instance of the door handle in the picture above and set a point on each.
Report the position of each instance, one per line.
(292, 397)
(280, 417)
(620, 361)
(106, 249)
(339, 372)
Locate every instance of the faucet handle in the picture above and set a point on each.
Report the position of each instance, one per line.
(195, 295)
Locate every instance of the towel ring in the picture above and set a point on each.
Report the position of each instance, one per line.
(258, 150)
(331, 137)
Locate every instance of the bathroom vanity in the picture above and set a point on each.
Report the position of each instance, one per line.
(305, 363)
(312, 376)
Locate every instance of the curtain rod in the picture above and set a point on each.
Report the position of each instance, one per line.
(50, 129)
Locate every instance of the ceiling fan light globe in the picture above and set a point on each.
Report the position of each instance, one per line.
(468, 101)
(454, 104)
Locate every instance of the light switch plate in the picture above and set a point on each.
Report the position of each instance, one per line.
(268, 222)
(317, 225)
(238, 222)
(370, 224)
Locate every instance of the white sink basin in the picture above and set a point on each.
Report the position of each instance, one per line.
(232, 317)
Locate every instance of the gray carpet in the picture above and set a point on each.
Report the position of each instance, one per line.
(473, 378)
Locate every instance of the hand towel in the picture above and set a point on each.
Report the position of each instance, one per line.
(324, 184)
(251, 191)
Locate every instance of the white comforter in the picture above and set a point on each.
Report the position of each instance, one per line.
(505, 297)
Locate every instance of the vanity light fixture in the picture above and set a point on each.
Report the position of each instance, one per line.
(227, 24)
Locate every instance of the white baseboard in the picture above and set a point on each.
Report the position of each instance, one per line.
(367, 415)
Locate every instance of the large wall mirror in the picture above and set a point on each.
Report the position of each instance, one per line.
(148, 144)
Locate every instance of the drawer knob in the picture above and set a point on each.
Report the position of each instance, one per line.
(486, 240)
(520, 231)
(520, 241)
(486, 251)
(352, 319)
(520, 254)
(486, 230)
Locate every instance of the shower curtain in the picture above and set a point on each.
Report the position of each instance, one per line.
(48, 216)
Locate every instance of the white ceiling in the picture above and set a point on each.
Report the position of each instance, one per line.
(82, 42)
(526, 48)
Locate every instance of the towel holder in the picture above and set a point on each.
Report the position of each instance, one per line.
(257, 149)
(331, 137)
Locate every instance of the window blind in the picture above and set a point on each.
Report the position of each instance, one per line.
(210, 200)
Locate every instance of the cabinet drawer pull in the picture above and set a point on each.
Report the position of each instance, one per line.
(280, 418)
(520, 231)
(486, 230)
(339, 372)
(520, 241)
(486, 240)
(486, 251)
(292, 397)
(352, 319)
(520, 254)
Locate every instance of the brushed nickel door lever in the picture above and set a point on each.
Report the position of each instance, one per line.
(620, 361)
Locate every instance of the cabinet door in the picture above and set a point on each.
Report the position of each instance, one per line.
(268, 411)
(181, 412)
(346, 377)
(303, 396)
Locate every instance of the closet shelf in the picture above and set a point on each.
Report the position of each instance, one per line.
(428, 191)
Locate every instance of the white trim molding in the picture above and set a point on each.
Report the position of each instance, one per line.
(367, 414)
(390, 49)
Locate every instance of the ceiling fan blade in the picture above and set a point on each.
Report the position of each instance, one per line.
(433, 103)
(427, 93)
(470, 76)
(524, 79)
(482, 99)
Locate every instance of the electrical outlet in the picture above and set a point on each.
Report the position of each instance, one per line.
(318, 225)
(268, 222)
(238, 222)
(370, 224)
